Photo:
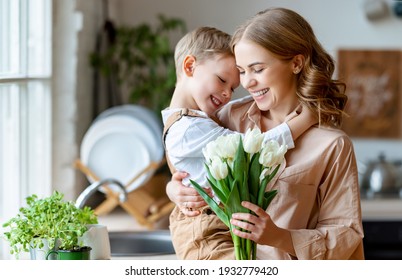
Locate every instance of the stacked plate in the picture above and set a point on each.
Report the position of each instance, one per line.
(121, 142)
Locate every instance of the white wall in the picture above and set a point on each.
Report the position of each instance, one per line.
(337, 24)
(75, 24)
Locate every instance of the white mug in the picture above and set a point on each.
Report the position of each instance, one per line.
(97, 237)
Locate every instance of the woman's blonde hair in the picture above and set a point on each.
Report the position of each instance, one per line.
(202, 43)
(286, 34)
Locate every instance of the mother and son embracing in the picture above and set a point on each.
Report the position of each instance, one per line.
(294, 100)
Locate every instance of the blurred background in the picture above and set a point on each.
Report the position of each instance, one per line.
(65, 62)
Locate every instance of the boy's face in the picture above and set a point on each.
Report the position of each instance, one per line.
(213, 82)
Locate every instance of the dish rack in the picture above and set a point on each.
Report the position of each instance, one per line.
(144, 203)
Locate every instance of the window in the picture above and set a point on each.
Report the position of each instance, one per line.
(25, 104)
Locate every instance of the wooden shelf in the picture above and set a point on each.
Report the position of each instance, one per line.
(147, 204)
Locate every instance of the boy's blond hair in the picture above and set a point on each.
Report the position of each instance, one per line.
(202, 43)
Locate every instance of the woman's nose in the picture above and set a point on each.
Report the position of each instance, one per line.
(247, 81)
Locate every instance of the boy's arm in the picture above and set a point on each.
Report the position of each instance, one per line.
(290, 130)
(280, 133)
(303, 121)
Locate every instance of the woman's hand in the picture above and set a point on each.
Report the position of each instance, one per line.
(261, 229)
(186, 198)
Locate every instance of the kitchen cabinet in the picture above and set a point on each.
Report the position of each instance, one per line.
(382, 223)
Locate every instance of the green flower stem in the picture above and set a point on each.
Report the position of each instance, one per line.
(249, 248)
(237, 245)
(254, 257)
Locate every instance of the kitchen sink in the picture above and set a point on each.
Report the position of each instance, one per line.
(140, 243)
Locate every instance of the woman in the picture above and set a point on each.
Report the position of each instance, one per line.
(316, 214)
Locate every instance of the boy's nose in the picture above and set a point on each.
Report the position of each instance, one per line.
(227, 93)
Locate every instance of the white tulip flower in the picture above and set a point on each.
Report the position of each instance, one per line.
(253, 140)
(210, 151)
(218, 168)
(272, 154)
(227, 146)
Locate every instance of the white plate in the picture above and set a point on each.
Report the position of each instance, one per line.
(144, 114)
(121, 123)
(113, 156)
(119, 147)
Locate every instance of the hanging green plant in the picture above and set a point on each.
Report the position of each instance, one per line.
(141, 59)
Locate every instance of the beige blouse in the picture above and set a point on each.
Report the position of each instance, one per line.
(318, 193)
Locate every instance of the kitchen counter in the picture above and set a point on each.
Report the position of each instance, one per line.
(121, 221)
(382, 209)
(158, 257)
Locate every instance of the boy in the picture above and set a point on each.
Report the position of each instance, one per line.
(206, 78)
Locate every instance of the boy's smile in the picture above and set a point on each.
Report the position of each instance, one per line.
(213, 82)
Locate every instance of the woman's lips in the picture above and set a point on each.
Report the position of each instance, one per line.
(259, 93)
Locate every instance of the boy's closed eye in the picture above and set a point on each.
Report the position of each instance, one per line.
(224, 81)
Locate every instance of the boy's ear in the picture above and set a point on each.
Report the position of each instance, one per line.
(189, 65)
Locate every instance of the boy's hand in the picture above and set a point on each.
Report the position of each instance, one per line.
(307, 116)
(302, 122)
(186, 198)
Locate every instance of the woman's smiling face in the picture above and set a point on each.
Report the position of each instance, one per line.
(268, 79)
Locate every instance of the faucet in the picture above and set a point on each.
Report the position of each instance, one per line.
(91, 189)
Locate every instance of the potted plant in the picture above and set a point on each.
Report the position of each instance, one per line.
(50, 222)
(140, 60)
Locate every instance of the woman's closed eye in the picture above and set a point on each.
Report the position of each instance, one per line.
(256, 71)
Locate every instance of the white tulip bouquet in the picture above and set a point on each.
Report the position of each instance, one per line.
(239, 170)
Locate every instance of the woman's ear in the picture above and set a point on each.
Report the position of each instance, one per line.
(298, 63)
(189, 65)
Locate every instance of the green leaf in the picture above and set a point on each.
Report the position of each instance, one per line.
(264, 184)
(253, 199)
(254, 175)
(244, 189)
(48, 218)
(273, 173)
(212, 203)
(210, 177)
(221, 185)
(229, 178)
(268, 197)
(234, 201)
(221, 194)
(240, 163)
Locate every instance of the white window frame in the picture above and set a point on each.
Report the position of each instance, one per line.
(25, 105)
